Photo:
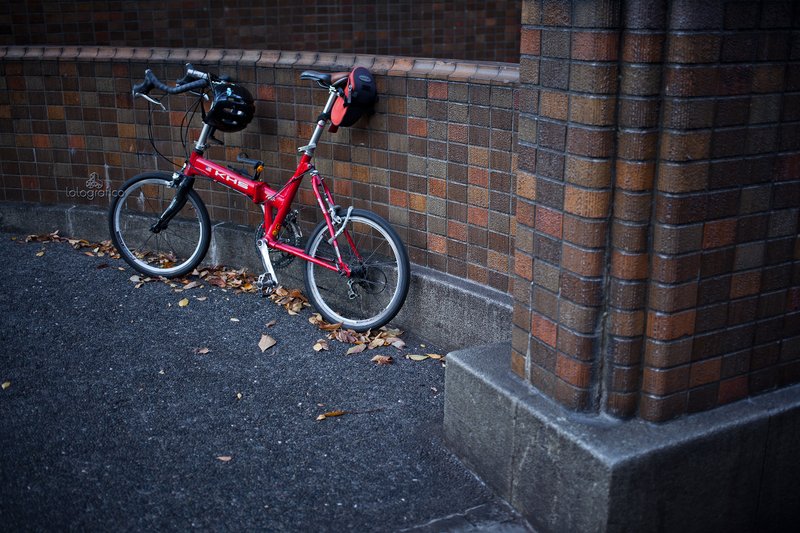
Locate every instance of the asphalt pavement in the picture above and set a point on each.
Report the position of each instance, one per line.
(123, 410)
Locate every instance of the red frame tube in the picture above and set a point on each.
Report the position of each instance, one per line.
(270, 199)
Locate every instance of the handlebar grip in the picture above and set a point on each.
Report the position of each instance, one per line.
(199, 84)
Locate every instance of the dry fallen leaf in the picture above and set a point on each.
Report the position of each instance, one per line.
(184, 302)
(415, 357)
(358, 348)
(320, 345)
(271, 323)
(383, 359)
(435, 356)
(6, 384)
(40, 253)
(234, 320)
(266, 342)
(224, 458)
(331, 414)
(376, 343)
(201, 351)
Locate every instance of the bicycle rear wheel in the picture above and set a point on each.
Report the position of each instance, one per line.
(381, 273)
(171, 250)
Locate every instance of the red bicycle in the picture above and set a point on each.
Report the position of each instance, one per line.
(357, 270)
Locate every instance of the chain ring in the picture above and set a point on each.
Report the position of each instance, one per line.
(282, 259)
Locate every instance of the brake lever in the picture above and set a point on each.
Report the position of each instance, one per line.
(151, 100)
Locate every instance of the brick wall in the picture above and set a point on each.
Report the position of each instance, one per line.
(657, 258)
(469, 29)
(436, 159)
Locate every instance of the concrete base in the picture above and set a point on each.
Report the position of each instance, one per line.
(446, 311)
(734, 468)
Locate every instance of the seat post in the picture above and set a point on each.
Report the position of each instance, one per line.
(321, 123)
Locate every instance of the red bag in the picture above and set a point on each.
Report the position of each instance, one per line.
(360, 95)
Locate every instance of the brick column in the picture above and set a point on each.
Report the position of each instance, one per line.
(723, 310)
(639, 109)
(656, 274)
(568, 73)
(658, 193)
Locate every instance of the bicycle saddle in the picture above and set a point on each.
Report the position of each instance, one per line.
(326, 80)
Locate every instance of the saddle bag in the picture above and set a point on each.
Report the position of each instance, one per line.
(360, 95)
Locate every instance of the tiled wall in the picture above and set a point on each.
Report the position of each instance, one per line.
(436, 159)
(468, 29)
(657, 260)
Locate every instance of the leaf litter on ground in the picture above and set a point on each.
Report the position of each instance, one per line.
(241, 281)
(101, 249)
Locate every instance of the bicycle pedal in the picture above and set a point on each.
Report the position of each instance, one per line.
(266, 286)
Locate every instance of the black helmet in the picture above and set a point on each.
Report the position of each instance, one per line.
(232, 108)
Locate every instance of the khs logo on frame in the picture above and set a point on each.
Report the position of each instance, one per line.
(230, 179)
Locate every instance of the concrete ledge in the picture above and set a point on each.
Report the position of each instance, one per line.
(447, 311)
(734, 468)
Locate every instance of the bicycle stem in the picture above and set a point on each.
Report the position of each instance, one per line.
(202, 140)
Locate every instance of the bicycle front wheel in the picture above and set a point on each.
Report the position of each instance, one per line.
(169, 250)
(380, 273)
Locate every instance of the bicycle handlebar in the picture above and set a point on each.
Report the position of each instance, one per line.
(196, 79)
(201, 80)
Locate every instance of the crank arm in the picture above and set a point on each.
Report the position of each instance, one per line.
(263, 251)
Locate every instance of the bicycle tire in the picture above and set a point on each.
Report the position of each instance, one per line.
(380, 278)
(173, 251)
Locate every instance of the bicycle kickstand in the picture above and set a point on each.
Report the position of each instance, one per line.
(268, 281)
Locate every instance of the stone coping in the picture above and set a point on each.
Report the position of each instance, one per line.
(411, 67)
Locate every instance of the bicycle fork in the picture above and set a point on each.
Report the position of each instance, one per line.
(183, 184)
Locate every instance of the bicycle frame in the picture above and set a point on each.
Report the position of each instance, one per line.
(281, 200)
